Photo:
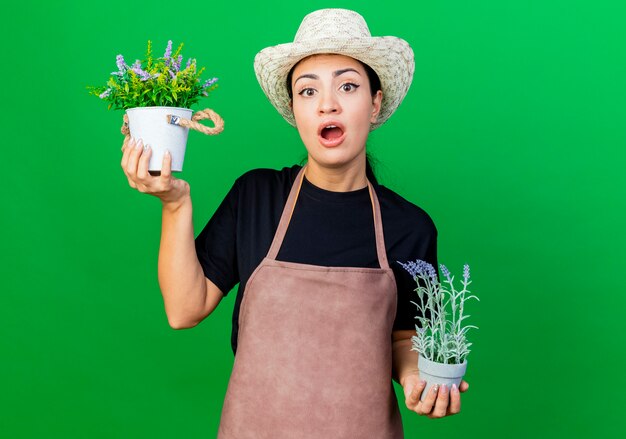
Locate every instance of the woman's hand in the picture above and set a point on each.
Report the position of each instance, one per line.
(172, 191)
(437, 404)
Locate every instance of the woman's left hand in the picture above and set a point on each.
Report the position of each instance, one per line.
(437, 404)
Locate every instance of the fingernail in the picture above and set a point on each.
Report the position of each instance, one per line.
(435, 388)
(167, 152)
(422, 382)
(146, 148)
(444, 388)
(139, 143)
(455, 388)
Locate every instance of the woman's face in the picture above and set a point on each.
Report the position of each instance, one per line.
(333, 108)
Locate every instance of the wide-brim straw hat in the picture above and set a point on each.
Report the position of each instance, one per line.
(344, 32)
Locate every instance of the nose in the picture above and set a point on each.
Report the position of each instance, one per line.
(328, 103)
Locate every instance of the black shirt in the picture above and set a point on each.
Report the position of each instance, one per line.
(326, 228)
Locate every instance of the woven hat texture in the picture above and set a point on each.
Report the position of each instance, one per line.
(344, 32)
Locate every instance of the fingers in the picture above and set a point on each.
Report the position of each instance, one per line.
(426, 406)
(135, 164)
(413, 396)
(441, 404)
(440, 401)
(128, 148)
(166, 168)
(133, 159)
(144, 161)
(464, 386)
(455, 400)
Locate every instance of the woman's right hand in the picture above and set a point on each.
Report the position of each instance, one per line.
(171, 191)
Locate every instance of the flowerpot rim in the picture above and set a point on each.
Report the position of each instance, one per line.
(445, 364)
(158, 108)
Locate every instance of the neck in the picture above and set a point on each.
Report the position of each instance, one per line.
(337, 179)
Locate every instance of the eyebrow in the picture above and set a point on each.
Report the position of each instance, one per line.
(335, 74)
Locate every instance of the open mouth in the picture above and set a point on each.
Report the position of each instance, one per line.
(331, 132)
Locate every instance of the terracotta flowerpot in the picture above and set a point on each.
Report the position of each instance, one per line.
(150, 124)
(439, 373)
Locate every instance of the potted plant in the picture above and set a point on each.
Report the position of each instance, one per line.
(440, 340)
(157, 95)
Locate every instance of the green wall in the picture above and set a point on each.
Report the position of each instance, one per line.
(512, 138)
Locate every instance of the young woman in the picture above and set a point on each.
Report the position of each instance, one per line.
(323, 317)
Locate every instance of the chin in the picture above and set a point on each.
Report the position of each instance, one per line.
(333, 158)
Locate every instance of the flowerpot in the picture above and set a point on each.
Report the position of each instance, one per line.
(150, 124)
(439, 373)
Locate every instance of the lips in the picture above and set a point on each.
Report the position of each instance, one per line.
(331, 133)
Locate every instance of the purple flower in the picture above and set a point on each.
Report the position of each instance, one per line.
(139, 72)
(188, 63)
(466, 272)
(143, 75)
(209, 82)
(420, 268)
(121, 65)
(168, 53)
(176, 63)
(172, 74)
(105, 93)
(445, 272)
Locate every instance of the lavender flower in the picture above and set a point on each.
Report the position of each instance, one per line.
(188, 63)
(209, 82)
(143, 75)
(105, 93)
(420, 268)
(445, 272)
(168, 53)
(177, 62)
(121, 65)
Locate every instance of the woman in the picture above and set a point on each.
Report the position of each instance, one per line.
(326, 320)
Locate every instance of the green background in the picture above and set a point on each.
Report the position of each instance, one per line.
(511, 137)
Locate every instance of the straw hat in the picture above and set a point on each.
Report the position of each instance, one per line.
(342, 32)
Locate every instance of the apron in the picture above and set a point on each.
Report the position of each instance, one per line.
(314, 348)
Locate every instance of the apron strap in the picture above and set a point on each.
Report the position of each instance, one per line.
(288, 212)
(378, 227)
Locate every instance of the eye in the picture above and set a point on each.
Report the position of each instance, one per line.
(307, 92)
(349, 86)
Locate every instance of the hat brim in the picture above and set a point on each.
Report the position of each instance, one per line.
(390, 57)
